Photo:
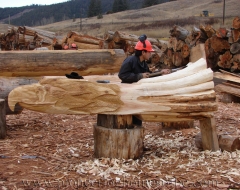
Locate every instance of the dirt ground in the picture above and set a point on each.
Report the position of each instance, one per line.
(43, 151)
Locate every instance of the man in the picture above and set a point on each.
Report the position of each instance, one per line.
(134, 68)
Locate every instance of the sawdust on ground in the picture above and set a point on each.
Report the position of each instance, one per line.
(44, 151)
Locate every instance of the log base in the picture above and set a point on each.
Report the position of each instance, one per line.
(118, 143)
(3, 130)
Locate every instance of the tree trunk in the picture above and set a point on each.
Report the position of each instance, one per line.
(236, 23)
(114, 45)
(219, 44)
(228, 89)
(32, 31)
(221, 33)
(87, 39)
(59, 62)
(42, 41)
(83, 46)
(236, 29)
(208, 30)
(227, 76)
(179, 32)
(235, 48)
(226, 142)
(235, 63)
(3, 129)
(168, 58)
(225, 60)
(178, 59)
(130, 47)
(108, 36)
(211, 56)
(122, 36)
(197, 53)
(115, 137)
(118, 143)
(185, 51)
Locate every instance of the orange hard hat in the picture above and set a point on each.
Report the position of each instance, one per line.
(144, 44)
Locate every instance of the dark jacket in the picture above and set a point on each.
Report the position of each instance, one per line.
(132, 69)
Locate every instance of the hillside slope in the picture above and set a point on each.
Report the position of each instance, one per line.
(169, 12)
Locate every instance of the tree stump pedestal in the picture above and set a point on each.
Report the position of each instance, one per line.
(3, 130)
(116, 137)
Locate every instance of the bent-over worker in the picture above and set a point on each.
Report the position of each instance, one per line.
(135, 67)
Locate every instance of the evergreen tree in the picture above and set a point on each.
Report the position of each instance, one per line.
(115, 6)
(91, 8)
(125, 5)
(119, 5)
(95, 8)
(98, 7)
(148, 3)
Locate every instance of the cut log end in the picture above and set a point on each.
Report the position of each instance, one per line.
(226, 142)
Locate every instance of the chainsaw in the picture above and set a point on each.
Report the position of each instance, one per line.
(159, 73)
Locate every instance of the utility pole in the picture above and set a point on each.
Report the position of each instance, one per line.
(223, 11)
(9, 18)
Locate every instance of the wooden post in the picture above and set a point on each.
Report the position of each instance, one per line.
(3, 130)
(115, 137)
(209, 134)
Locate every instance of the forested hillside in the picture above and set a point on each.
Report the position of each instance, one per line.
(37, 15)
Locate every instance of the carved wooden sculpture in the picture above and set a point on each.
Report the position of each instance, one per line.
(183, 95)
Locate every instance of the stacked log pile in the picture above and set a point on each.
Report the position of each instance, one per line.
(222, 46)
(27, 38)
(170, 54)
(230, 88)
(127, 42)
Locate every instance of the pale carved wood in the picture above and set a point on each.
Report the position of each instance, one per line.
(197, 52)
(7, 84)
(183, 95)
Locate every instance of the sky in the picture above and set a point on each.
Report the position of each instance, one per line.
(21, 3)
